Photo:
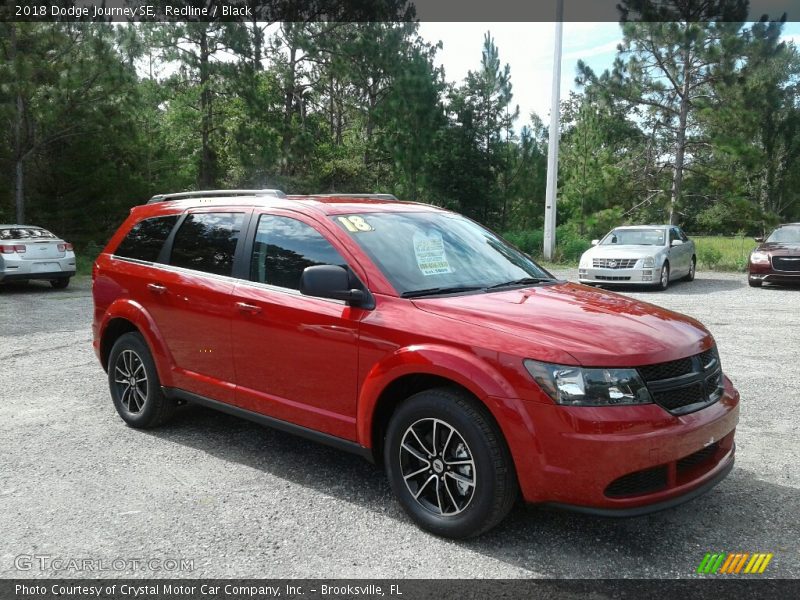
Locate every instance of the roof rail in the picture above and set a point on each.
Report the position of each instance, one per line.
(215, 194)
(344, 195)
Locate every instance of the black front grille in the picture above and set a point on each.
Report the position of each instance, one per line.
(687, 384)
(611, 278)
(680, 397)
(640, 482)
(666, 370)
(698, 458)
(786, 263)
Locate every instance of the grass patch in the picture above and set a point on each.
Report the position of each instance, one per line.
(720, 253)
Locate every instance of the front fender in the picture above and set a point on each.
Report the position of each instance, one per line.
(468, 370)
(132, 311)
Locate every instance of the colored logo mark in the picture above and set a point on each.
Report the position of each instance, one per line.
(734, 563)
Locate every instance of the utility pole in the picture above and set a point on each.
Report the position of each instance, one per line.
(552, 146)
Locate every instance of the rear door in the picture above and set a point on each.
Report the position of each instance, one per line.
(679, 264)
(296, 356)
(189, 298)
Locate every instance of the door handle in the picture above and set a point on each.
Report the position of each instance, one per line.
(157, 288)
(248, 308)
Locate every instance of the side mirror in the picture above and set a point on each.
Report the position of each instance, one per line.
(676, 242)
(595, 242)
(331, 281)
(759, 239)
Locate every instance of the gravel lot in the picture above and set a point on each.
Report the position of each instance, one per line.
(244, 501)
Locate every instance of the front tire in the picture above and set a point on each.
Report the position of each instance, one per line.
(663, 279)
(448, 464)
(135, 387)
(755, 282)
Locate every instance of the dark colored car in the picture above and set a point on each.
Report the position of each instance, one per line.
(777, 258)
(418, 339)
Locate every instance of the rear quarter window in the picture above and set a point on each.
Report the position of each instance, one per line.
(145, 240)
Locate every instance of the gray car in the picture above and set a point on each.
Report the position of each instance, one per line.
(29, 252)
(650, 255)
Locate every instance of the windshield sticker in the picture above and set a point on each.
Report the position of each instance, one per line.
(431, 257)
(356, 224)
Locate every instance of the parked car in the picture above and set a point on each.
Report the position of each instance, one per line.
(28, 252)
(777, 258)
(414, 337)
(650, 255)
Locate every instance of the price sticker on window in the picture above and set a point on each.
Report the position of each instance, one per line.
(356, 224)
(430, 253)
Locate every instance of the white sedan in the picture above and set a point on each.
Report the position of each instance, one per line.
(28, 252)
(651, 255)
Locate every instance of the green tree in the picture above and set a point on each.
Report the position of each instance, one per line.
(666, 63)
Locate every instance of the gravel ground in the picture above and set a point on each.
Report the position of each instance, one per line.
(245, 501)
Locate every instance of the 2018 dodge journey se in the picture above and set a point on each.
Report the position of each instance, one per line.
(414, 337)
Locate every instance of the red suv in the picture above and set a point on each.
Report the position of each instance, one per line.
(413, 336)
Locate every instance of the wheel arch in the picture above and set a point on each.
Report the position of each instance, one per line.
(125, 316)
(413, 370)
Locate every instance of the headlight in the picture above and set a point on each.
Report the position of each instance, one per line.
(649, 262)
(759, 258)
(575, 386)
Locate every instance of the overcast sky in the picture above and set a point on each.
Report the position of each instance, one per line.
(528, 48)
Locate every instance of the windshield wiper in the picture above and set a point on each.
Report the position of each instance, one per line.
(440, 290)
(523, 281)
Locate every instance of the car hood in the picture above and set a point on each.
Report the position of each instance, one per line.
(595, 327)
(780, 249)
(622, 251)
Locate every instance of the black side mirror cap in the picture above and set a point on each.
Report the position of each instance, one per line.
(333, 281)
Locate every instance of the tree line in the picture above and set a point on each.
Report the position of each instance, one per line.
(696, 122)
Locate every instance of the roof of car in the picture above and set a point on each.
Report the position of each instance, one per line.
(329, 204)
(14, 226)
(649, 226)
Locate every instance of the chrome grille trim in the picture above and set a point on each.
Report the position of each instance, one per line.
(614, 263)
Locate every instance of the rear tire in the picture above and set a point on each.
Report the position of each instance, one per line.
(60, 284)
(448, 464)
(692, 269)
(135, 387)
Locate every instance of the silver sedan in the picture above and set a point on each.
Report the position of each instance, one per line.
(651, 255)
(28, 252)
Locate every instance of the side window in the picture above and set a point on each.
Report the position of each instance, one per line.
(207, 242)
(284, 247)
(683, 235)
(145, 240)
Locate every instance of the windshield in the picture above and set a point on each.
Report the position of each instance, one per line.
(785, 235)
(429, 253)
(634, 237)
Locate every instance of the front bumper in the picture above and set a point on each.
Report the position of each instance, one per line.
(627, 460)
(766, 274)
(635, 276)
(13, 268)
